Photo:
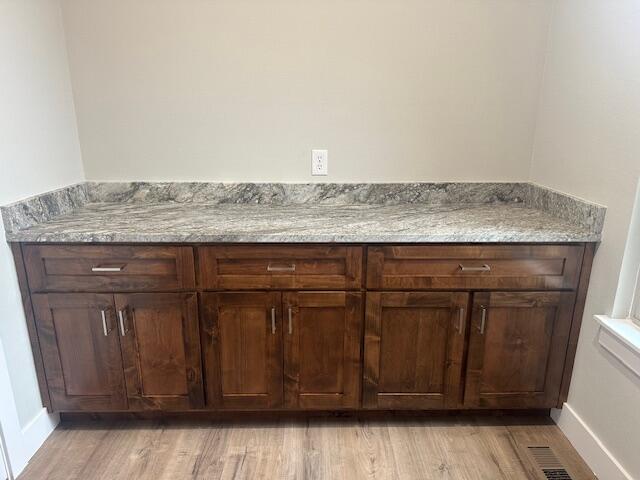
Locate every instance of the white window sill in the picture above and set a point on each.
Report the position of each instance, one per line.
(621, 338)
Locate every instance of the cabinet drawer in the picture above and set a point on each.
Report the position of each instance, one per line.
(474, 267)
(299, 267)
(77, 268)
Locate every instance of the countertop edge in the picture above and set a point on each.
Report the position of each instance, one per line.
(20, 217)
(190, 239)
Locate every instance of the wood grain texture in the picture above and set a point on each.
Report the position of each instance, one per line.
(242, 349)
(516, 359)
(414, 343)
(279, 267)
(322, 359)
(576, 323)
(438, 267)
(161, 350)
(67, 268)
(313, 449)
(413, 357)
(25, 295)
(83, 366)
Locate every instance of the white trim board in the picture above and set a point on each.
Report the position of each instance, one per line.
(5, 469)
(37, 431)
(4, 472)
(21, 442)
(588, 445)
(621, 338)
(26, 441)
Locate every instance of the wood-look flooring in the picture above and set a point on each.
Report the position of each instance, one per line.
(461, 448)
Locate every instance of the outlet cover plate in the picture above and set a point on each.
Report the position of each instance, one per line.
(319, 162)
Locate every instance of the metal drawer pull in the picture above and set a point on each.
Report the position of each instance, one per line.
(107, 269)
(291, 267)
(273, 320)
(123, 331)
(483, 268)
(483, 319)
(105, 330)
(461, 321)
(290, 325)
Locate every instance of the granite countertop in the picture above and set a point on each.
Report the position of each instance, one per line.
(166, 220)
(191, 222)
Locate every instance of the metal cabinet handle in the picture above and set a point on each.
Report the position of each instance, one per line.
(461, 321)
(273, 320)
(290, 324)
(483, 319)
(483, 268)
(108, 269)
(123, 331)
(105, 329)
(291, 267)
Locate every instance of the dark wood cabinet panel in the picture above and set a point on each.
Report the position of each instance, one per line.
(576, 323)
(481, 267)
(81, 351)
(242, 347)
(322, 358)
(458, 326)
(280, 267)
(32, 329)
(517, 347)
(91, 268)
(161, 350)
(414, 344)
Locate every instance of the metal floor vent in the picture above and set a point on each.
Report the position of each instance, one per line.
(549, 463)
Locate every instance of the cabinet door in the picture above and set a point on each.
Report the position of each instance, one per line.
(322, 349)
(242, 343)
(414, 344)
(81, 351)
(161, 350)
(517, 348)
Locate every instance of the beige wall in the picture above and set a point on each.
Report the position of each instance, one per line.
(395, 89)
(244, 89)
(39, 151)
(587, 144)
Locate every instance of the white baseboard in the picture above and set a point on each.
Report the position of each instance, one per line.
(20, 443)
(34, 434)
(588, 445)
(38, 430)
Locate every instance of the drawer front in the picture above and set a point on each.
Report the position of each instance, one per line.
(77, 268)
(280, 267)
(526, 267)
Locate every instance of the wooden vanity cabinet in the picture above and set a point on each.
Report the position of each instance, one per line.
(160, 341)
(297, 350)
(280, 267)
(521, 324)
(128, 351)
(80, 348)
(414, 349)
(414, 346)
(474, 267)
(322, 359)
(109, 268)
(517, 347)
(242, 349)
(303, 327)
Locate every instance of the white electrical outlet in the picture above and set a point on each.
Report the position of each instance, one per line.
(319, 162)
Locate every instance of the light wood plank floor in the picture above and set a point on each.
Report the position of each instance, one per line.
(319, 448)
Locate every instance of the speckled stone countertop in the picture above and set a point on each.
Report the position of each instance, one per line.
(483, 214)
